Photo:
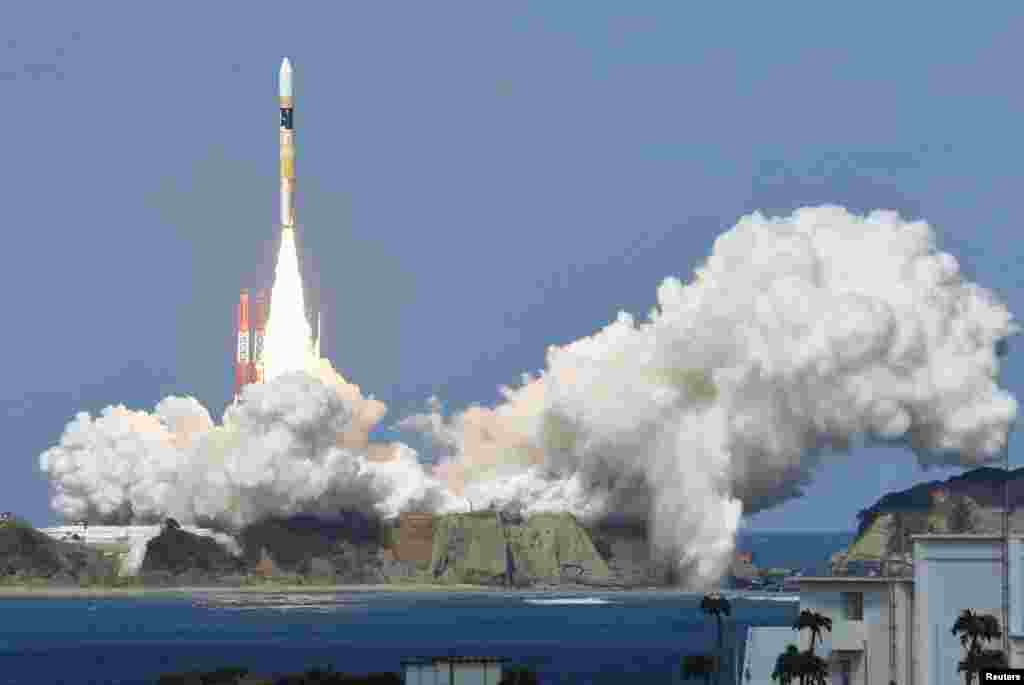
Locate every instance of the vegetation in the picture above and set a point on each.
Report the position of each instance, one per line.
(176, 551)
(700, 666)
(332, 677)
(805, 668)
(813, 622)
(517, 675)
(315, 676)
(30, 557)
(974, 629)
(708, 666)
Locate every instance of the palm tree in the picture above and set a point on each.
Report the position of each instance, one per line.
(518, 675)
(787, 666)
(814, 622)
(699, 666)
(974, 629)
(806, 668)
(975, 662)
(716, 605)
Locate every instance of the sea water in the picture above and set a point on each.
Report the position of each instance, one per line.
(567, 637)
(578, 637)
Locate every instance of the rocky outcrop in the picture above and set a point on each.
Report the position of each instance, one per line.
(968, 503)
(187, 558)
(339, 550)
(481, 548)
(554, 548)
(470, 548)
(486, 548)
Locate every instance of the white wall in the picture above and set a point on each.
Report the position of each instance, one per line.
(465, 673)
(421, 674)
(952, 575)
(872, 660)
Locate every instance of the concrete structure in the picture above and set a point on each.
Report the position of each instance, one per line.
(120, 538)
(872, 627)
(763, 646)
(957, 572)
(453, 671)
(415, 537)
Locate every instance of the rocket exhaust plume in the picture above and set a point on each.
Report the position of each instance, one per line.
(798, 337)
(288, 345)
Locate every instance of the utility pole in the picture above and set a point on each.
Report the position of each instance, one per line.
(1006, 550)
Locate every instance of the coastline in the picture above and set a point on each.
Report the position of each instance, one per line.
(42, 592)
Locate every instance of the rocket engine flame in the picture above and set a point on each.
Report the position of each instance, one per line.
(288, 342)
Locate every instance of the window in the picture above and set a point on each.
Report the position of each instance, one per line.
(853, 606)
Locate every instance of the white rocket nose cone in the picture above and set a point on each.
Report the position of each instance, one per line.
(285, 79)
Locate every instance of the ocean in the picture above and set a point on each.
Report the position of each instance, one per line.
(579, 637)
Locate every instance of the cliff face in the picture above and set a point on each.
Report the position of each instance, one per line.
(555, 548)
(969, 503)
(470, 548)
(487, 548)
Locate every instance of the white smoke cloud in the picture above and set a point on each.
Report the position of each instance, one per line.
(799, 336)
(281, 450)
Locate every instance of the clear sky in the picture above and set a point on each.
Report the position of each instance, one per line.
(477, 181)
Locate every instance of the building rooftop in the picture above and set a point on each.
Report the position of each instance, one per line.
(963, 537)
(855, 579)
(453, 660)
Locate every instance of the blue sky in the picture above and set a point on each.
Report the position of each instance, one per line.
(477, 181)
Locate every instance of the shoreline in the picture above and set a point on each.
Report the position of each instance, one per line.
(28, 592)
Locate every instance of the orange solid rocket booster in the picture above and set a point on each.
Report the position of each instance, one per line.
(259, 329)
(242, 369)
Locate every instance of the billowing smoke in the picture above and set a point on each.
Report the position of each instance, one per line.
(293, 444)
(799, 337)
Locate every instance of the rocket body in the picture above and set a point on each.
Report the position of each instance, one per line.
(287, 139)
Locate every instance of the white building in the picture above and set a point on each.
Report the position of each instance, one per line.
(899, 629)
(872, 625)
(957, 572)
(129, 542)
(453, 671)
(763, 646)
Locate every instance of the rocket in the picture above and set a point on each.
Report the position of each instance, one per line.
(259, 329)
(242, 371)
(287, 137)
